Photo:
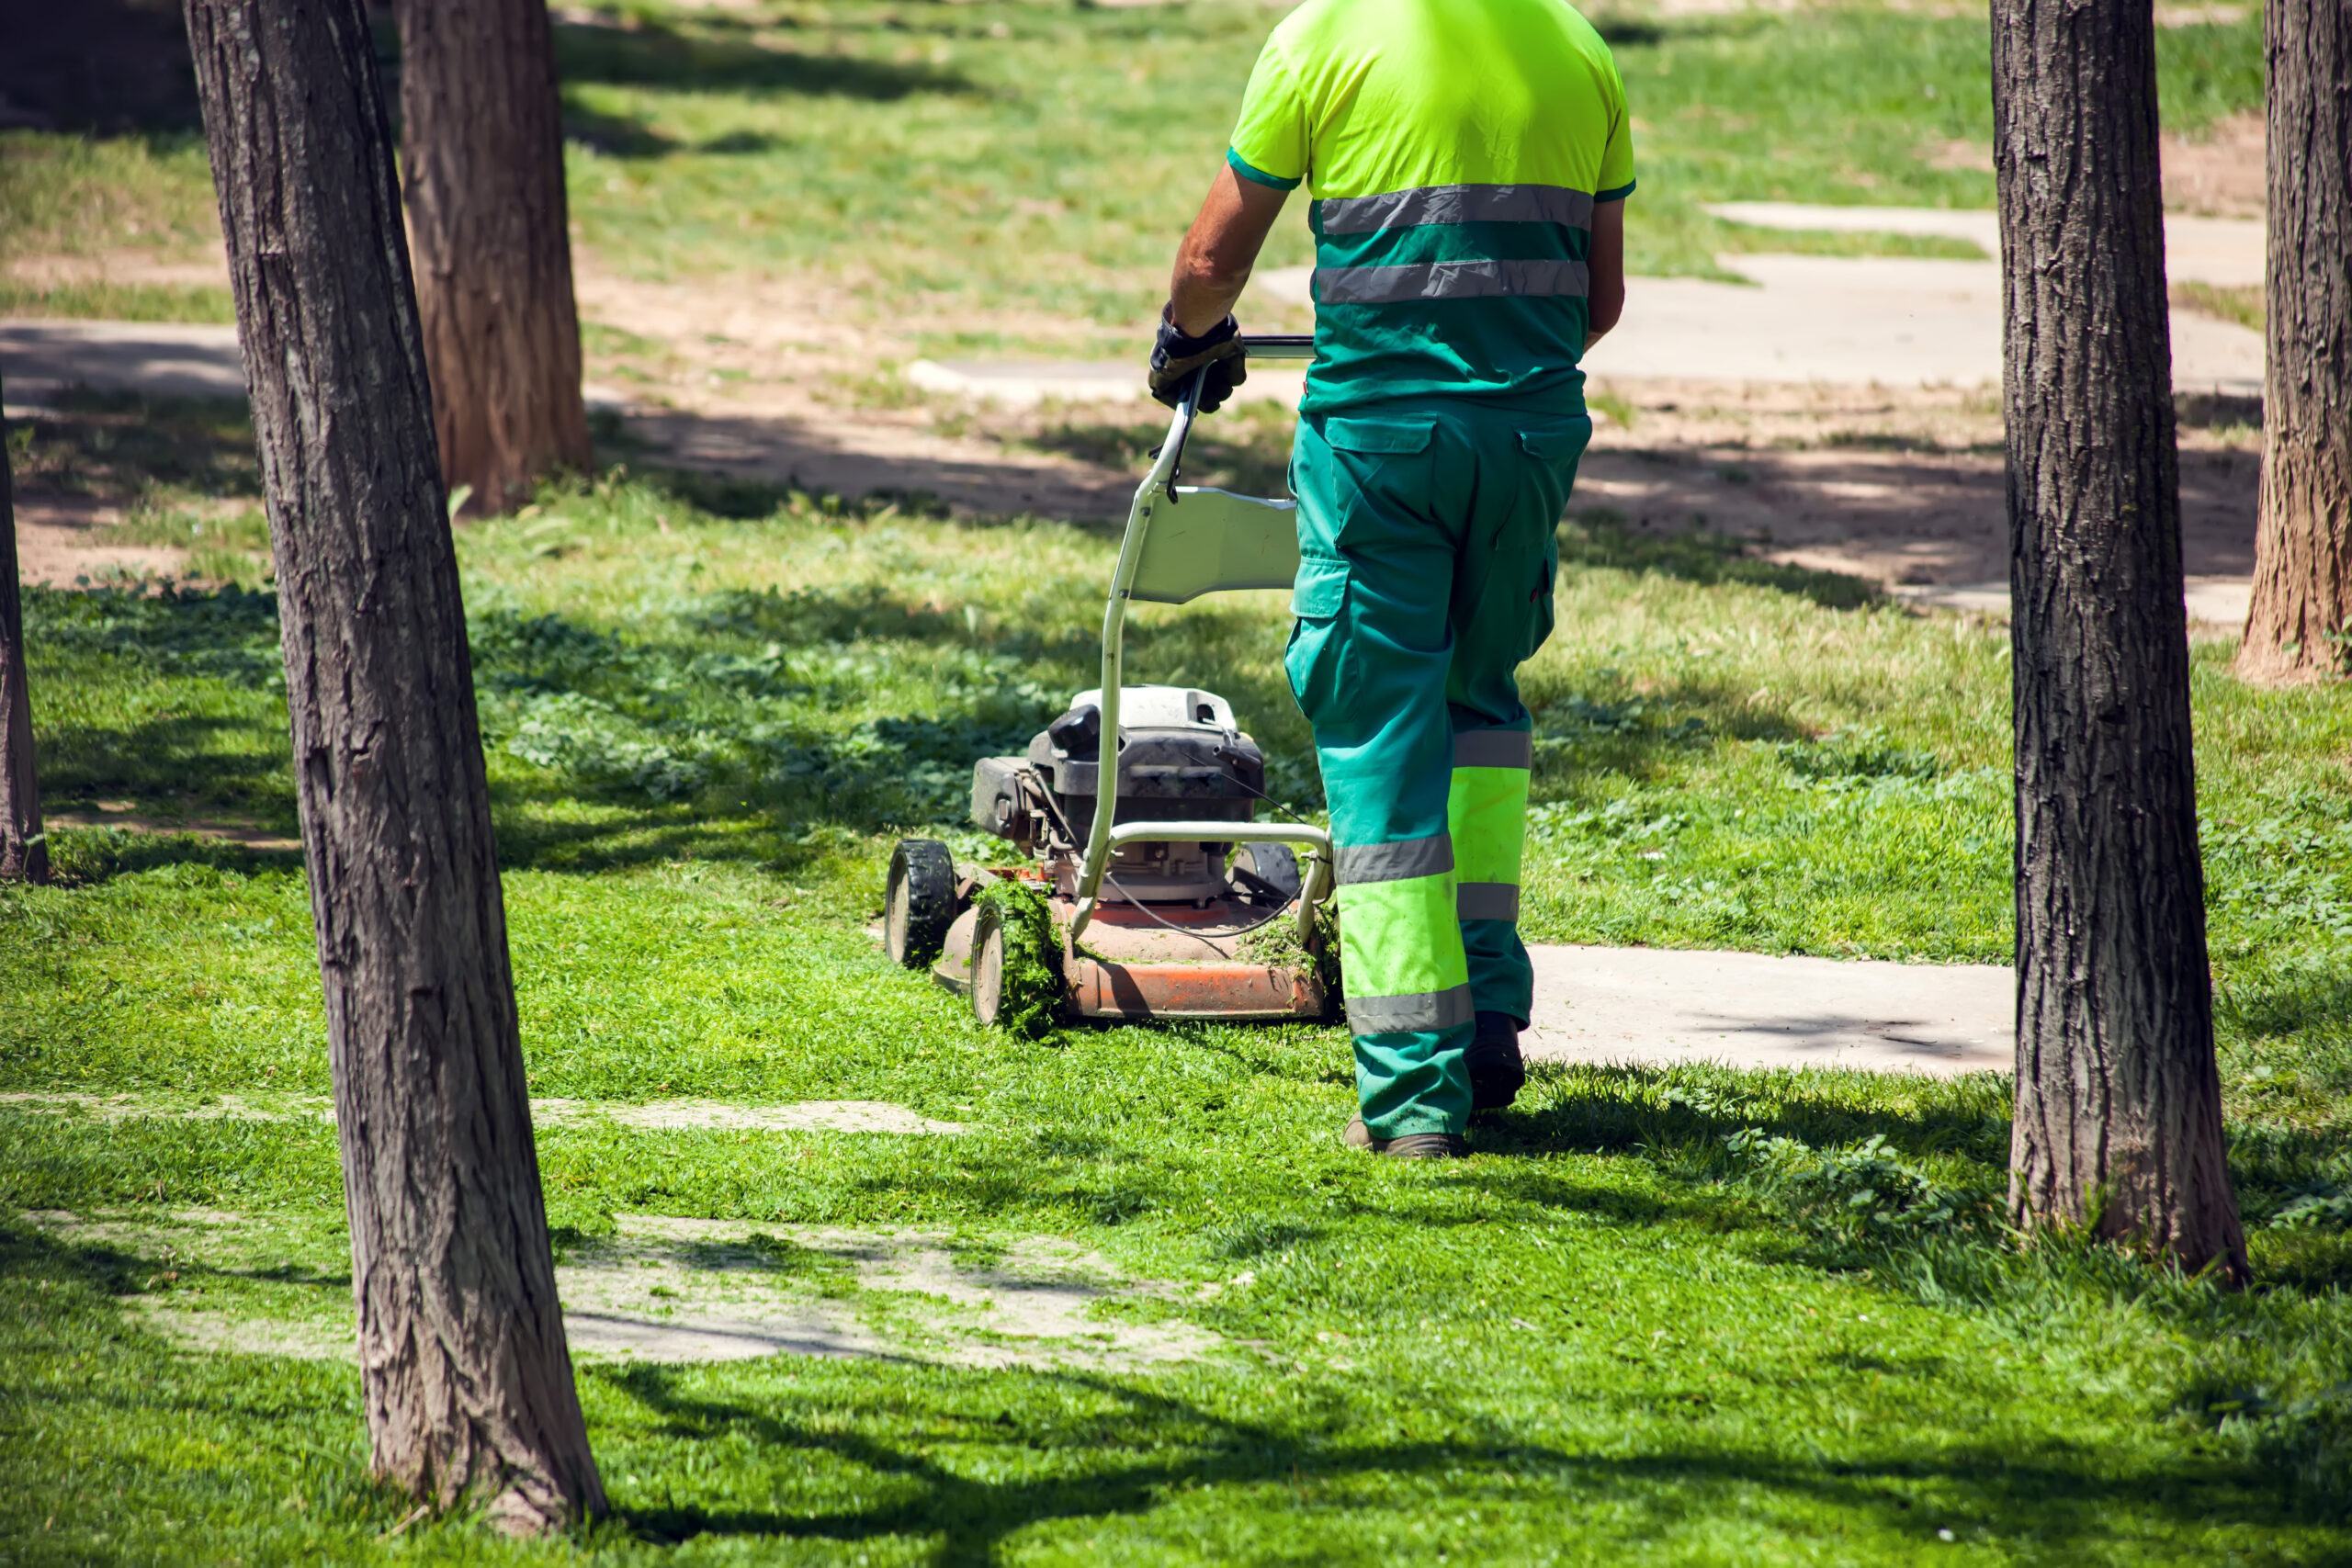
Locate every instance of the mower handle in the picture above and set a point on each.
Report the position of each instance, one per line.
(1158, 485)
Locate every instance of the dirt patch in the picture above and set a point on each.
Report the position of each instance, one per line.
(121, 266)
(776, 379)
(62, 541)
(125, 816)
(1901, 487)
(668, 1288)
(2219, 173)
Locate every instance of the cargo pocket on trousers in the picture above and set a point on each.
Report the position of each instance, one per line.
(1556, 449)
(1318, 598)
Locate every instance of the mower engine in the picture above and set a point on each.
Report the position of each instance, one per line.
(1181, 759)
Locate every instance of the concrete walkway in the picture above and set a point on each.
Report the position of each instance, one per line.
(1865, 320)
(2224, 252)
(161, 359)
(1665, 1006)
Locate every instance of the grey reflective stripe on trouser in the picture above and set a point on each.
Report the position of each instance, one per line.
(1394, 862)
(1455, 203)
(1486, 901)
(1449, 280)
(1395, 1015)
(1494, 749)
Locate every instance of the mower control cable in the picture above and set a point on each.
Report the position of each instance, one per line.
(1280, 910)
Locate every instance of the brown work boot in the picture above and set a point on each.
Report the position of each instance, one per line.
(1495, 1069)
(1426, 1145)
(1411, 1145)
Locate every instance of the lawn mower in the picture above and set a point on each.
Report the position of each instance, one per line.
(1142, 885)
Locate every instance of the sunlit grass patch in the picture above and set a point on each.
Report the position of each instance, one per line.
(966, 168)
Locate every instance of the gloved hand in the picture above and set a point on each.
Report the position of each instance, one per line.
(1175, 356)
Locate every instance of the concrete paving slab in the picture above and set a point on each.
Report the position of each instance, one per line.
(1665, 1006)
(681, 1288)
(2225, 251)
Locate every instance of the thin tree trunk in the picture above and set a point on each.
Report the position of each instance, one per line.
(2119, 1115)
(465, 1373)
(482, 134)
(24, 854)
(2302, 552)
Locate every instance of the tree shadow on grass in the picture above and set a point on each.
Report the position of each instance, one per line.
(84, 856)
(112, 444)
(234, 764)
(1125, 1449)
(1253, 458)
(1596, 537)
(1623, 1110)
(648, 54)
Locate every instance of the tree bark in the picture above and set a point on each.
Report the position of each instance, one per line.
(483, 130)
(2302, 552)
(2119, 1120)
(465, 1373)
(24, 854)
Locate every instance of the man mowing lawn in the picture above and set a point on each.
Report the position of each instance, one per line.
(1469, 162)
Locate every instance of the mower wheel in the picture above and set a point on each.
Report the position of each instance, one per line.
(921, 902)
(988, 966)
(1270, 871)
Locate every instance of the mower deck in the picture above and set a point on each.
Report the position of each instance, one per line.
(1131, 966)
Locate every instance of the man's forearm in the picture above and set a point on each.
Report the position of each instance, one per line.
(1213, 264)
(1605, 272)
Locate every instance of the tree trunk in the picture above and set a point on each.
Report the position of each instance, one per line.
(2119, 1115)
(465, 1373)
(2303, 551)
(23, 854)
(482, 131)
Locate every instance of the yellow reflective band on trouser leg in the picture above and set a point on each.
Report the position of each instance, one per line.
(1402, 949)
(1486, 811)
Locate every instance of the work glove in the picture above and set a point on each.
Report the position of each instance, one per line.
(1175, 356)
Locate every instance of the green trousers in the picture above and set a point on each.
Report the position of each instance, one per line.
(1427, 552)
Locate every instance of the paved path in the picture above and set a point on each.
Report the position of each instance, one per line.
(2211, 600)
(1663, 1006)
(1885, 321)
(162, 359)
(2226, 252)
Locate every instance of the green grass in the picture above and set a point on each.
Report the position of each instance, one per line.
(1686, 1317)
(63, 195)
(2244, 307)
(118, 302)
(1016, 175)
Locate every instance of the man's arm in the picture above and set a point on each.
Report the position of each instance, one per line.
(1213, 264)
(1605, 270)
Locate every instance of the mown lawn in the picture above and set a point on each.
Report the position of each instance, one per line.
(1675, 1316)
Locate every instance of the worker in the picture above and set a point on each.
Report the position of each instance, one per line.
(1468, 162)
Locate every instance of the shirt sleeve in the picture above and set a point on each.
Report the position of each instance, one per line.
(1270, 144)
(1616, 180)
